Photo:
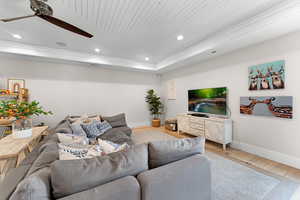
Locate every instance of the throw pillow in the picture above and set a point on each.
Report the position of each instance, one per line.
(70, 138)
(72, 151)
(77, 129)
(116, 121)
(109, 147)
(104, 126)
(91, 129)
(83, 118)
(164, 152)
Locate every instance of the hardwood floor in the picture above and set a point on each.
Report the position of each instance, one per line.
(245, 158)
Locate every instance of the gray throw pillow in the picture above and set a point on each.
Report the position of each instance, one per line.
(116, 121)
(73, 176)
(164, 152)
(78, 130)
(91, 129)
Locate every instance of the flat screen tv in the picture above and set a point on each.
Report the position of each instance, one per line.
(210, 100)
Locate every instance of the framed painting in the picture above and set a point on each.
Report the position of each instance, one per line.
(267, 76)
(272, 106)
(15, 85)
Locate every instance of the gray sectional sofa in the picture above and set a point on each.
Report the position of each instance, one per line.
(162, 170)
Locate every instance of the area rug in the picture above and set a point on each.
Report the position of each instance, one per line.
(232, 180)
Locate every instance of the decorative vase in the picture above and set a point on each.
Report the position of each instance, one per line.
(155, 122)
(22, 128)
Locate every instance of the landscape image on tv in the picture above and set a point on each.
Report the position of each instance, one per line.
(210, 100)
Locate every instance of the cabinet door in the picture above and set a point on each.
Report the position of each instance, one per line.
(183, 123)
(214, 131)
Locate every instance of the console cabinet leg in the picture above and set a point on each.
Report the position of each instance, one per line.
(224, 147)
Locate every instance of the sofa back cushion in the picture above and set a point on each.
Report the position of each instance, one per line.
(116, 121)
(34, 187)
(164, 152)
(73, 176)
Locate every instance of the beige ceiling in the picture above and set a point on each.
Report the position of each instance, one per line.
(130, 30)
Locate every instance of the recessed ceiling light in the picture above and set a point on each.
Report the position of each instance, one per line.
(97, 50)
(19, 37)
(180, 37)
(147, 58)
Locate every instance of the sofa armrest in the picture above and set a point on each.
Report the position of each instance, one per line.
(189, 178)
(121, 189)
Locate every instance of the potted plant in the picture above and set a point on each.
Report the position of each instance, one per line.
(155, 107)
(21, 112)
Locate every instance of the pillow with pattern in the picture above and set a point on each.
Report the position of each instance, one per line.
(91, 129)
(104, 126)
(110, 147)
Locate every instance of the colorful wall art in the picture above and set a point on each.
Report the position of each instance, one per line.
(267, 76)
(273, 106)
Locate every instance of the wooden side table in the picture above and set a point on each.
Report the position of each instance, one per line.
(11, 148)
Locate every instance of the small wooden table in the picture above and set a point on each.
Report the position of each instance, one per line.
(11, 148)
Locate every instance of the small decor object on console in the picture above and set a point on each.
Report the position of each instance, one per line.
(274, 106)
(155, 107)
(15, 85)
(21, 112)
(267, 76)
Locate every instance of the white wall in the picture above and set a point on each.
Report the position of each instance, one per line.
(78, 89)
(274, 138)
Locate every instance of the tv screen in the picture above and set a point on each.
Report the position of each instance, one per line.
(210, 100)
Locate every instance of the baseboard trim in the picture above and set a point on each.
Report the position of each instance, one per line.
(138, 124)
(269, 154)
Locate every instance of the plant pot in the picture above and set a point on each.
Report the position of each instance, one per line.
(22, 128)
(155, 122)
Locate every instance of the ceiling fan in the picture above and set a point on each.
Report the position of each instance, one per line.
(45, 12)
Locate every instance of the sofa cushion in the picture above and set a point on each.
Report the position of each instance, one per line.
(73, 176)
(164, 152)
(122, 189)
(77, 129)
(116, 136)
(189, 178)
(116, 121)
(11, 180)
(35, 187)
(125, 130)
(49, 153)
(63, 127)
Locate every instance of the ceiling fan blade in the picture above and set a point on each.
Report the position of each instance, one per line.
(65, 25)
(16, 18)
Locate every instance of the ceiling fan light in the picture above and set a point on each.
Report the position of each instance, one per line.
(17, 36)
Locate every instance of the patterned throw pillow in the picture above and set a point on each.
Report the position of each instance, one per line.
(72, 151)
(70, 139)
(91, 129)
(110, 147)
(104, 126)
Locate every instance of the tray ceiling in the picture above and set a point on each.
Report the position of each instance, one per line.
(128, 31)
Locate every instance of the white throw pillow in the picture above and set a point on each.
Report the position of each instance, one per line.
(110, 147)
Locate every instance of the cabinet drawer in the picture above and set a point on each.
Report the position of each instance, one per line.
(197, 126)
(196, 132)
(197, 120)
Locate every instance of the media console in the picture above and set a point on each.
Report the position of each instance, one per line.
(215, 129)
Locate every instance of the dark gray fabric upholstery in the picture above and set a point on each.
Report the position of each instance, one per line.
(11, 180)
(116, 136)
(124, 129)
(116, 121)
(63, 127)
(35, 187)
(48, 153)
(122, 189)
(185, 179)
(73, 176)
(164, 152)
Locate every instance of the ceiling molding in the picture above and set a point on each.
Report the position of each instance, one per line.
(67, 55)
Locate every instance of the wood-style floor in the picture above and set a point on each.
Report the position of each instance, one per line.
(248, 159)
